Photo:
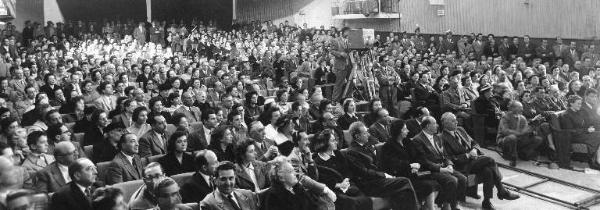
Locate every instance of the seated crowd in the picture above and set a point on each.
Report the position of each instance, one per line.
(195, 117)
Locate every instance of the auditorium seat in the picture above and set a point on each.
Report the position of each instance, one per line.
(129, 188)
(89, 150)
(41, 201)
(151, 159)
(182, 178)
(77, 137)
(102, 168)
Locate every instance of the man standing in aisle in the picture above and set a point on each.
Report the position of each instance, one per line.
(342, 67)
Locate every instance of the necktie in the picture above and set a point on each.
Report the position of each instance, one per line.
(88, 193)
(233, 203)
(135, 167)
(460, 140)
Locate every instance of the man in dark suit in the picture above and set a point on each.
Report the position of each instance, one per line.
(192, 113)
(340, 49)
(570, 55)
(139, 34)
(154, 142)
(201, 183)
(125, 117)
(200, 138)
(373, 181)
(55, 176)
(467, 157)
(431, 156)
(590, 107)
(78, 193)
(226, 196)
(266, 149)
(127, 165)
(414, 124)
(107, 149)
(527, 49)
(381, 129)
(50, 86)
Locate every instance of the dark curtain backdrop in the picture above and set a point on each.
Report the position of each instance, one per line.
(219, 11)
(98, 10)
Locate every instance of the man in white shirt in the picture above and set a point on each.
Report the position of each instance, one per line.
(227, 196)
(201, 183)
(78, 193)
(56, 175)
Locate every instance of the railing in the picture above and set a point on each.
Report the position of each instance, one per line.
(364, 7)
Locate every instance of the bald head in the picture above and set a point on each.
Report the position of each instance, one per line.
(208, 162)
(65, 152)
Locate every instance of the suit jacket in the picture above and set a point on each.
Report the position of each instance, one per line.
(362, 160)
(140, 35)
(192, 115)
(122, 118)
(261, 150)
(104, 151)
(430, 158)
(49, 179)
(570, 58)
(456, 150)
(378, 131)
(396, 158)
(70, 197)
(244, 181)
(171, 165)
(33, 163)
(121, 170)
(414, 127)
(345, 120)
(195, 189)
(339, 45)
(591, 118)
(247, 200)
(197, 140)
(150, 144)
(93, 136)
(49, 90)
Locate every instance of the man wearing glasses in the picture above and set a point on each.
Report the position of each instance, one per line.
(56, 175)
(144, 197)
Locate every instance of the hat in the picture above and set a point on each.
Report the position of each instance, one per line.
(113, 126)
(484, 88)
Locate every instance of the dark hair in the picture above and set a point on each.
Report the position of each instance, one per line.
(101, 87)
(173, 140)
(426, 121)
(34, 136)
(321, 142)
(137, 112)
(282, 122)
(232, 114)
(573, 99)
(105, 198)
(225, 166)
(96, 116)
(373, 102)
(279, 93)
(347, 104)
(177, 117)
(218, 134)
(323, 105)
(122, 140)
(241, 149)
(53, 131)
(47, 115)
(206, 113)
(5, 123)
(396, 129)
(153, 101)
(590, 91)
(265, 117)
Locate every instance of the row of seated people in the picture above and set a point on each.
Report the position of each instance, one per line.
(368, 170)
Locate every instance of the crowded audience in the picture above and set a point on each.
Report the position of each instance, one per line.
(264, 116)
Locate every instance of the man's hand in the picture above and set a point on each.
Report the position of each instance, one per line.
(415, 166)
(473, 153)
(447, 169)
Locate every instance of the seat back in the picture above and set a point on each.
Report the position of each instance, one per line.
(182, 178)
(151, 159)
(41, 201)
(102, 169)
(78, 137)
(347, 137)
(89, 150)
(128, 188)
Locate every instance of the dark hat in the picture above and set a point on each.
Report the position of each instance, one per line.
(113, 126)
(484, 88)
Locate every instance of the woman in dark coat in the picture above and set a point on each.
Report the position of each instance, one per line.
(335, 172)
(177, 161)
(573, 120)
(398, 159)
(222, 143)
